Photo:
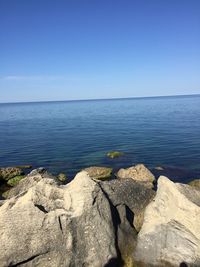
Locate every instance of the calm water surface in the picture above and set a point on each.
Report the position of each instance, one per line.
(68, 136)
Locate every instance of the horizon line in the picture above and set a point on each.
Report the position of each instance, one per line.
(100, 99)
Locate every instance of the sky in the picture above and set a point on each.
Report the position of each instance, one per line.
(92, 49)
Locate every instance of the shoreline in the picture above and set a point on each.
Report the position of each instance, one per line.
(99, 221)
(175, 174)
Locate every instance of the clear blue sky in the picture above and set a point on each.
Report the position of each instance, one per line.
(82, 49)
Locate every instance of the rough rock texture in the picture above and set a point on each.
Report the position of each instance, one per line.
(44, 224)
(138, 173)
(10, 172)
(134, 195)
(14, 181)
(170, 235)
(100, 173)
(31, 179)
(195, 183)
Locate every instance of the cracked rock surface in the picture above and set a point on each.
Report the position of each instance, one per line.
(45, 224)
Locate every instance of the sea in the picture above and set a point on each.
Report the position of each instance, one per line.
(67, 136)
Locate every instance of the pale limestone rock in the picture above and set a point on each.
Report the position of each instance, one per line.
(170, 234)
(138, 173)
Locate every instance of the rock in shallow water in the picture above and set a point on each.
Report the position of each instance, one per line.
(138, 173)
(10, 172)
(170, 235)
(15, 180)
(62, 177)
(114, 154)
(99, 173)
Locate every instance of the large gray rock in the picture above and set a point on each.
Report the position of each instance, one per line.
(170, 235)
(44, 224)
(138, 173)
(131, 193)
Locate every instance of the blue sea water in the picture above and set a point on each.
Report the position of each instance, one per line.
(68, 136)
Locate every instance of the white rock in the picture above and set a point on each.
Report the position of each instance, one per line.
(171, 230)
(138, 173)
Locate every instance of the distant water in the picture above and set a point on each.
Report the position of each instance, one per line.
(68, 136)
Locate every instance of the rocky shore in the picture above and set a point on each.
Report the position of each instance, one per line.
(134, 220)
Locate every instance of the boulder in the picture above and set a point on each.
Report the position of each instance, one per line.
(15, 180)
(10, 172)
(170, 235)
(31, 179)
(195, 183)
(46, 224)
(131, 193)
(99, 173)
(138, 173)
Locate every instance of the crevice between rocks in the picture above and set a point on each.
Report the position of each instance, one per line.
(116, 222)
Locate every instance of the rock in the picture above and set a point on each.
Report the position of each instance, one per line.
(195, 183)
(159, 168)
(14, 181)
(1, 202)
(24, 166)
(62, 177)
(99, 173)
(132, 194)
(69, 225)
(10, 172)
(31, 179)
(138, 173)
(170, 235)
(3, 189)
(114, 154)
(5, 194)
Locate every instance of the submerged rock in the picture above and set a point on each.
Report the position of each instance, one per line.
(10, 172)
(99, 173)
(45, 224)
(159, 168)
(138, 173)
(62, 177)
(25, 167)
(170, 235)
(114, 154)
